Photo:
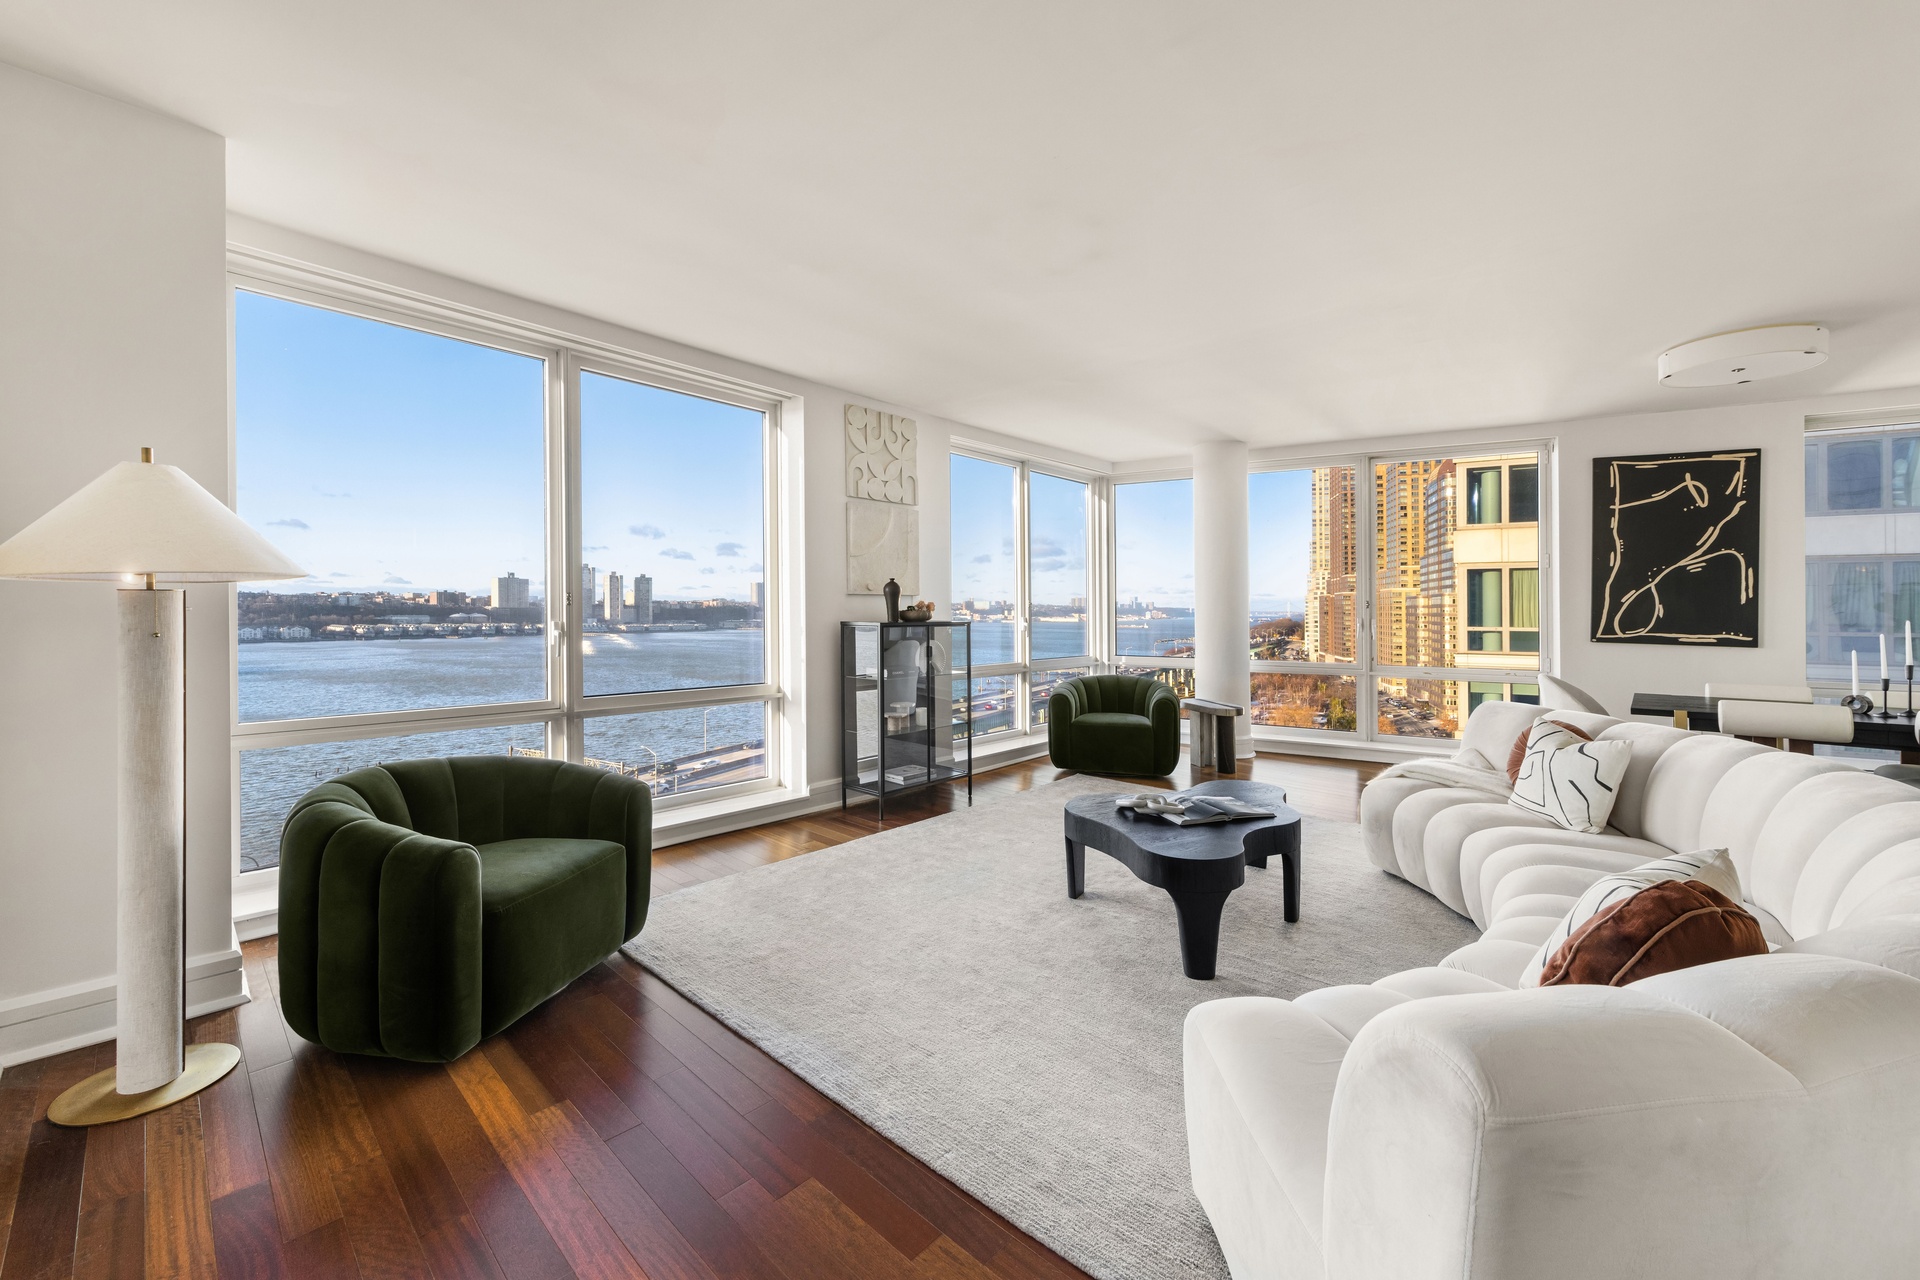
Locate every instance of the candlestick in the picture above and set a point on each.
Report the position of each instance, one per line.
(1908, 714)
(1886, 698)
(1855, 657)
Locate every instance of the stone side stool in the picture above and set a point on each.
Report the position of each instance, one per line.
(1212, 733)
(428, 904)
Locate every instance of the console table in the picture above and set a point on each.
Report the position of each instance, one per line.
(1691, 711)
(1211, 733)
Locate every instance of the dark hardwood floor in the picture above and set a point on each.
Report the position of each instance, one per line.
(617, 1132)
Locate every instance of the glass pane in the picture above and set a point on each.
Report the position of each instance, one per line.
(1057, 574)
(673, 539)
(981, 496)
(1523, 494)
(1302, 558)
(406, 472)
(1525, 592)
(1300, 701)
(1438, 708)
(1040, 687)
(995, 700)
(1438, 573)
(1153, 567)
(1523, 641)
(1483, 495)
(272, 778)
(691, 749)
(1853, 475)
(1906, 455)
(1483, 597)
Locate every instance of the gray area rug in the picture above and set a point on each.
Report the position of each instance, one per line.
(936, 981)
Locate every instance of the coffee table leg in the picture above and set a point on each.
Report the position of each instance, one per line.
(1199, 931)
(1076, 869)
(1290, 865)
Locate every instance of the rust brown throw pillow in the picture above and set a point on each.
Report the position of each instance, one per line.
(1519, 753)
(1675, 924)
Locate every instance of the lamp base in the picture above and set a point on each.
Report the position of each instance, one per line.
(94, 1100)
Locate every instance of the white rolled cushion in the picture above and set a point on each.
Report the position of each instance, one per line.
(1488, 855)
(1260, 1076)
(1888, 869)
(1568, 779)
(1709, 866)
(1804, 818)
(1760, 692)
(1446, 835)
(1842, 854)
(1350, 1007)
(1379, 800)
(1532, 930)
(1491, 958)
(1493, 727)
(1901, 898)
(1825, 722)
(1410, 821)
(1892, 942)
(1746, 795)
(1433, 980)
(1677, 791)
(1650, 743)
(1533, 904)
(1541, 878)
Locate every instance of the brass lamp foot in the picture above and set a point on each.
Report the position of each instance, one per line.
(94, 1101)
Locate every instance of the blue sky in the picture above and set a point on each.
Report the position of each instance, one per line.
(380, 457)
(1153, 543)
(1280, 538)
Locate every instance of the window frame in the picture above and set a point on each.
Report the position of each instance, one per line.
(566, 708)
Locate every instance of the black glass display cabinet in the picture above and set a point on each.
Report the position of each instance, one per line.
(906, 707)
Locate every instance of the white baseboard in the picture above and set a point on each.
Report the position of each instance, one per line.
(49, 1022)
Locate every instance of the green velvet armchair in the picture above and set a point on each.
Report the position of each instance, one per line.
(428, 904)
(1114, 724)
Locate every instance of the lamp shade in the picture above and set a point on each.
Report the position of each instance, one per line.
(143, 518)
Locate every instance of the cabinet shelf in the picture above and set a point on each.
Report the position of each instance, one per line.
(906, 707)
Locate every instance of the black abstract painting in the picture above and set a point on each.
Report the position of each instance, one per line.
(1676, 548)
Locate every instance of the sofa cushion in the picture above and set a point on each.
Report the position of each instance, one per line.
(1709, 865)
(550, 910)
(1675, 924)
(1569, 778)
(1112, 742)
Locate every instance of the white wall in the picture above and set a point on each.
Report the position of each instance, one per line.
(113, 335)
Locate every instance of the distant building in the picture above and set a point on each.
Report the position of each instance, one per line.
(351, 599)
(640, 600)
(615, 598)
(757, 594)
(589, 588)
(1078, 604)
(511, 592)
(446, 598)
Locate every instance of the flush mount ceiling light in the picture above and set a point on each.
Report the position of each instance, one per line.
(1727, 359)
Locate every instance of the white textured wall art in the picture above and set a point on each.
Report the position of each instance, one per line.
(883, 541)
(881, 456)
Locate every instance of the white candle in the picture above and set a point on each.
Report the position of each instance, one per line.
(1909, 641)
(1855, 655)
(1883, 655)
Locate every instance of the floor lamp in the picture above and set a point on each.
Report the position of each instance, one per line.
(141, 525)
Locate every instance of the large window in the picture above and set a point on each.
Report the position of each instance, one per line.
(416, 469)
(1303, 596)
(1863, 547)
(1153, 569)
(1021, 576)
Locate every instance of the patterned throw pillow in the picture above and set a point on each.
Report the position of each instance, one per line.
(1675, 924)
(1710, 867)
(1568, 777)
(1519, 752)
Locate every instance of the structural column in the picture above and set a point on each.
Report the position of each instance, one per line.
(1221, 667)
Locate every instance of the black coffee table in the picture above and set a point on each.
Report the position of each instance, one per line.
(1197, 866)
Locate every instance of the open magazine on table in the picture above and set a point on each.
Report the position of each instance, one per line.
(1186, 810)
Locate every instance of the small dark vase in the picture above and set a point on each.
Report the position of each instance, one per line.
(892, 592)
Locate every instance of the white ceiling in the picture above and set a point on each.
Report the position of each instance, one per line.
(1117, 226)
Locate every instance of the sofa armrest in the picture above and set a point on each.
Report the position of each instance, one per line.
(1062, 706)
(391, 919)
(1163, 708)
(1735, 1119)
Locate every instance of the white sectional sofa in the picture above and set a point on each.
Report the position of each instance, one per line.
(1756, 1117)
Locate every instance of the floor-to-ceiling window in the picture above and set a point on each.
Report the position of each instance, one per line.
(1302, 527)
(418, 470)
(1153, 579)
(1863, 549)
(1022, 576)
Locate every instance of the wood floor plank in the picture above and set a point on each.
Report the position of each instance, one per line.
(116, 1163)
(246, 1235)
(111, 1243)
(528, 1092)
(297, 1157)
(264, 1037)
(595, 1015)
(759, 1155)
(48, 1209)
(700, 1058)
(589, 1245)
(853, 1186)
(822, 1238)
(542, 1041)
(17, 1106)
(325, 1253)
(235, 1157)
(384, 1244)
(642, 1225)
(720, 1241)
(179, 1233)
(752, 1062)
(945, 1260)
